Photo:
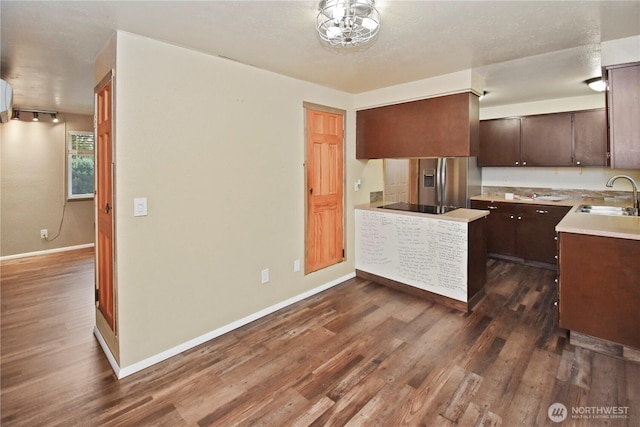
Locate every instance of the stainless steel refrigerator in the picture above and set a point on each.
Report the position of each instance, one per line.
(448, 181)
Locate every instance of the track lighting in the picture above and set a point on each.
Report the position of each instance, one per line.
(35, 114)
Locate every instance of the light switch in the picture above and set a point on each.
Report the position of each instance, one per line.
(140, 206)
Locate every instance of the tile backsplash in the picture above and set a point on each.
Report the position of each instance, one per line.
(573, 194)
(375, 196)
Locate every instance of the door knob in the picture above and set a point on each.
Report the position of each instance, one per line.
(107, 208)
(311, 191)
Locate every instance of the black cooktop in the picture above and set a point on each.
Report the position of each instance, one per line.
(412, 207)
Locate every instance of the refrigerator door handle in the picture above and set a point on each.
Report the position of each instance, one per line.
(442, 180)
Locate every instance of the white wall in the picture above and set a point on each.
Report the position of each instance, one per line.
(446, 84)
(621, 51)
(218, 148)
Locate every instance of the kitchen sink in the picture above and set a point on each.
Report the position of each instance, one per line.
(607, 210)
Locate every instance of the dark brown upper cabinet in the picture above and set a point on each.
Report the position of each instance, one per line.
(445, 126)
(561, 139)
(500, 142)
(623, 108)
(546, 140)
(590, 138)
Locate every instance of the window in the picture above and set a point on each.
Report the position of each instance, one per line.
(80, 165)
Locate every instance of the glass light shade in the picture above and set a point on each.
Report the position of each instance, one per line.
(333, 32)
(597, 84)
(347, 22)
(369, 24)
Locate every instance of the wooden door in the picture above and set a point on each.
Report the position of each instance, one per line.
(500, 226)
(599, 293)
(444, 126)
(623, 112)
(499, 142)
(537, 231)
(546, 140)
(104, 196)
(396, 180)
(590, 138)
(324, 234)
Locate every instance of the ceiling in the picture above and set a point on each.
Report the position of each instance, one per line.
(525, 50)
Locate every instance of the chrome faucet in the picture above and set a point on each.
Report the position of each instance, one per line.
(636, 202)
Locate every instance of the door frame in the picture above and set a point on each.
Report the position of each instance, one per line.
(109, 335)
(325, 109)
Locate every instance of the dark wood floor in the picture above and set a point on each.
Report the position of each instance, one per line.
(358, 354)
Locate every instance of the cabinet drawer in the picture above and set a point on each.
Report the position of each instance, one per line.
(494, 206)
(544, 210)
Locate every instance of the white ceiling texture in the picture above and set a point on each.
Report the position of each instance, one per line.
(525, 50)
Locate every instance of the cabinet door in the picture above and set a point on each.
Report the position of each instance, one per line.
(500, 226)
(590, 138)
(536, 233)
(445, 126)
(546, 140)
(599, 293)
(623, 113)
(499, 142)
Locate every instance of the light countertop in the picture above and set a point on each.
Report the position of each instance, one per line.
(563, 201)
(459, 215)
(623, 227)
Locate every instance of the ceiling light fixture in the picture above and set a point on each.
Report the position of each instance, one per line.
(596, 84)
(347, 22)
(35, 114)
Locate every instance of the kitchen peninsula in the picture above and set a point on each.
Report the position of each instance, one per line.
(437, 257)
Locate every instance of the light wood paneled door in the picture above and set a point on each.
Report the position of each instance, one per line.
(396, 180)
(325, 146)
(104, 195)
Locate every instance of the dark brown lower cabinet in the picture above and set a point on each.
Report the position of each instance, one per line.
(523, 231)
(599, 287)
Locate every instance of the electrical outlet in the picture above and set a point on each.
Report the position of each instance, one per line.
(296, 266)
(264, 275)
(44, 233)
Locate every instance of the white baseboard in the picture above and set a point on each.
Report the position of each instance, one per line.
(47, 251)
(143, 364)
(107, 352)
